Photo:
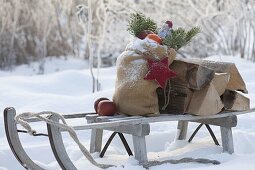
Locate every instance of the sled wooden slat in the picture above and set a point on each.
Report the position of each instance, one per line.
(229, 121)
(66, 116)
(161, 118)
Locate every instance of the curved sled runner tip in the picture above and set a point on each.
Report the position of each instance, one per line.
(14, 142)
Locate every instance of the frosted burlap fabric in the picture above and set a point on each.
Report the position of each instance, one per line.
(134, 95)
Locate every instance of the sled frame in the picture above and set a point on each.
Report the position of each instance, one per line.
(137, 126)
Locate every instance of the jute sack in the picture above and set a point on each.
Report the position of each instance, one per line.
(134, 95)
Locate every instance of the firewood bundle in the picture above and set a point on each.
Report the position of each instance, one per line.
(204, 87)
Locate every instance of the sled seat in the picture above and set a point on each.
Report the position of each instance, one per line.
(138, 131)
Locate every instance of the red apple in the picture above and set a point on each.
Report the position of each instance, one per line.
(97, 101)
(106, 108)
(144, 34)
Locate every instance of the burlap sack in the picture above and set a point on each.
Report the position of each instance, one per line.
(134, 95)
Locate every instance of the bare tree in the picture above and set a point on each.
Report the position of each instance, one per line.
(228, 28)
(26, 26)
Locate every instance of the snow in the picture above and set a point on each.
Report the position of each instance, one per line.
(51, 65)
(66, 88)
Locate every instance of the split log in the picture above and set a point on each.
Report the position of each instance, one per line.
(200, 85)
(193, 75)
(235, 82)
(235, 101)
(220, 82)
(205, 102)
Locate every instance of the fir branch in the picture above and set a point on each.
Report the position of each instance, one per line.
(138, 23)
(192, 33)
(179, 37)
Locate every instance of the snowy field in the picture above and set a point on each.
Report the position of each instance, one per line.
(66, 88)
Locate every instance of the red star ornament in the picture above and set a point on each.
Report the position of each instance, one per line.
(159, 71)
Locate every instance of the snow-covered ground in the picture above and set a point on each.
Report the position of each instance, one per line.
(66, 88)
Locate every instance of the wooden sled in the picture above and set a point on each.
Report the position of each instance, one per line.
(137, 126)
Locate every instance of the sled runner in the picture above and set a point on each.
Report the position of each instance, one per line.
(137, 126)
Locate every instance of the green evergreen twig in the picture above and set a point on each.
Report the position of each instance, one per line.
(177, 39)
(180, 37)
(138, 23)
(192, 33)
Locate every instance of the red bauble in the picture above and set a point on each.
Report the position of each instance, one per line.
(106, 108)
(97, 101)
(159, 71)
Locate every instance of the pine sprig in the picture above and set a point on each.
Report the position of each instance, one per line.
(192, 33)
(180, 37)
(138, 23)
(176, 40)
